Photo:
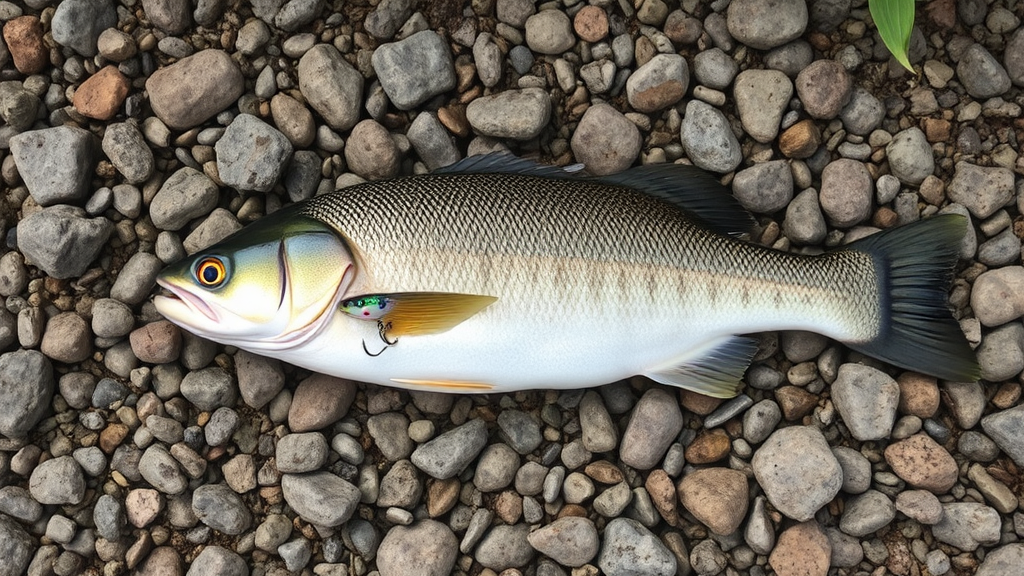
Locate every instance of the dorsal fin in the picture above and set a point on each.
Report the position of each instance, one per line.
(688, 188)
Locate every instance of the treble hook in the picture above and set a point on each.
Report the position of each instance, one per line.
(382, 330)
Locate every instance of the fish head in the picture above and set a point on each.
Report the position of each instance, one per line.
(271, 286)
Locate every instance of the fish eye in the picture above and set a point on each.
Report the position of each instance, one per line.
(210, 272)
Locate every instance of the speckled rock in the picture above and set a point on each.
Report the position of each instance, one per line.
(605, 141)
(765, 26)
(26, 389)
(320, 497)
(922, 463)
(514, 114)
(797, 470)
(803, 549)
(570, 541)
(415, 69)
(653, 425)
(194, 88)
(718, 497)
(428, 545)
(331, 86)
(630, 548)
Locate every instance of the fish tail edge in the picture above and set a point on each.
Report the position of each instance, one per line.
(918, 332)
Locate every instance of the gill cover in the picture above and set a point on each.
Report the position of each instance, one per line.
(268, 286)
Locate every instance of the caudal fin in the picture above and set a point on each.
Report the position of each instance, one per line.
(915, 263)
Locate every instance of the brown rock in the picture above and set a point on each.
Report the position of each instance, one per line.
(162, 561)
(24, 37)
(1007, 395)
(508, 507)
(795, 402)
(572, 510)
(320, 401)
(112, 436)
(800, 140)
(802, 550)
(442, 496)
(142, 505)
(663, 495)
(717, 497)
(936, 129)
(68, 338)
(919, 394)
(942, 13)
(102, 94)
(682, 29)
(454, 119)
(709, 447)
(604, 472)
(591, 24)
(922, 463)
(698, 403)
(157, 342)
(824, 87)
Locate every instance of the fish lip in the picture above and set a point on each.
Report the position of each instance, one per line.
(194, 303)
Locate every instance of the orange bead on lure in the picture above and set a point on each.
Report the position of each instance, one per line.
(499, 274)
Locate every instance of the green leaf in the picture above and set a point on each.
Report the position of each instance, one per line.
(894, 20)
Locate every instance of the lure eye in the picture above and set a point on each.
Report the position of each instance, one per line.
(211, 272)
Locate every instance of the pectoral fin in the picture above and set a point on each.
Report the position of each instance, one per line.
(422, 313)
(716, 372)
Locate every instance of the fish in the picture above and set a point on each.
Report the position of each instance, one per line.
(498, 274)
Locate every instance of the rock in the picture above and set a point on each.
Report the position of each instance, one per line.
(867, 513)
(252, 155)
(824, 88)
(549, 32)
(717, 497)
(797, 470)
(320, 497)
(319, 401)
(185, 195)
(217, 506)
(630, 548)
(800, 140)
(714, 69)
(863, 114)
(910, 156)
(570, 541)
(24, 38)
(401, 486)
(591, 24)
(428, 545)
(998, 296)
(301, 452)
(856, 469)
(653, 425)
(450, 453)
(866, 398)
(217, 561)
(371, 152)
(434, 145)
(195, 88)
(981, 74)
(846, 192)
(763, 26)
(101, 96)
(260, 379)
(659, 83)
(57, 481)
(386, 19)
(171, 16)
(919, 395)
(209, 388)
(77, 24)
(488, 58)
(982, 190)
(1013, 57)
(1006, 560)
(804, 223)
(708, 139)
(293, 119)
(67, 338)
(331, 86)
(764, 188)
(1006, 428)
(161, 470)
(920, 505)
(605, 141)
(136, 279)
(56, 164)
(967, 525)
(390, 431)
(598, 432)
(761, 98)
(922, 463)
(16, 547)
(505, 547)
(26, 390)
(18, 503)
(802, 549)
(496, 468)
(966, 400)
(127, 150)
(157, 342)
(519, 430)
(514, 114)
(413, 70)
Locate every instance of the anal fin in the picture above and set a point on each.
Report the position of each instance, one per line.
(420, 313)
(717, 372)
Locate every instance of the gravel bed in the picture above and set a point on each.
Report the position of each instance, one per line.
(136, 132)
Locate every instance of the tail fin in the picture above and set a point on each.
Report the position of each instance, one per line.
(915, 263)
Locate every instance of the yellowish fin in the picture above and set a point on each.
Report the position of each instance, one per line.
(446, 384)
(418, 313)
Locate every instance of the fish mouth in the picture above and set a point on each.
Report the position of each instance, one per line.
(177, 296)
